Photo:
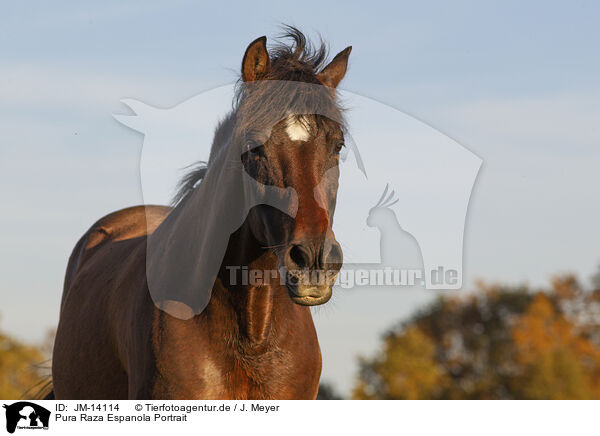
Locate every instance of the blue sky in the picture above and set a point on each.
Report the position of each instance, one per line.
(515, 83)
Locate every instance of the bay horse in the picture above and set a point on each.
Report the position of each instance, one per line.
(249, 341)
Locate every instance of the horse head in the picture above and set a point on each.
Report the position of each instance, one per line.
(290, 132)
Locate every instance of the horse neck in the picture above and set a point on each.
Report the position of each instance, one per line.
(254, 306)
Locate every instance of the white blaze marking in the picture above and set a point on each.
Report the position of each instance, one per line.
(296, 128)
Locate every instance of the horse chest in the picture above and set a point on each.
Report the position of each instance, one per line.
(216, 355)
(275, 374)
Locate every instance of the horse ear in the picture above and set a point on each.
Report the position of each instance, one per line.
(256, 63)
(333, 73)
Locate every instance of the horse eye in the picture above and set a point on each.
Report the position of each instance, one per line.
(338, 148)
(255, 150)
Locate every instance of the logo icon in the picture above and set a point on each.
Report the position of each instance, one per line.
(26, 415)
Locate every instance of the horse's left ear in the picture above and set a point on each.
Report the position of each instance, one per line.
(333, 73)
(256, 63)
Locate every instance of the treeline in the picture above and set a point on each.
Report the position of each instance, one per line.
(496, 343)
(24, 369)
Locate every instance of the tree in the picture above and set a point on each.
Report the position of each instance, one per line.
(328, 392)
(497, 343)
(20, 371)
(406, 369)
(555, 360)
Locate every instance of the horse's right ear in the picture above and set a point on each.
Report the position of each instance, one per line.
(256, 63)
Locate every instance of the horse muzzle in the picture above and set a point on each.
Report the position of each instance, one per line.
(310, 269)
(309, 295)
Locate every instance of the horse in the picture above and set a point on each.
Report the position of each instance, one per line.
(116, 340)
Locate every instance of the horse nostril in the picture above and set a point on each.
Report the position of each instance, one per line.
(334, 257)
(300, 256)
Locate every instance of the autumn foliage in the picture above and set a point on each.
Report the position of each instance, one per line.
(496, 343)
(24, 369)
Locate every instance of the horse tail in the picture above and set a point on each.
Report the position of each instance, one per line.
(46, 390)
(42, 390)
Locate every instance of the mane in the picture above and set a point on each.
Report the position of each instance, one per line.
(298, 61)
